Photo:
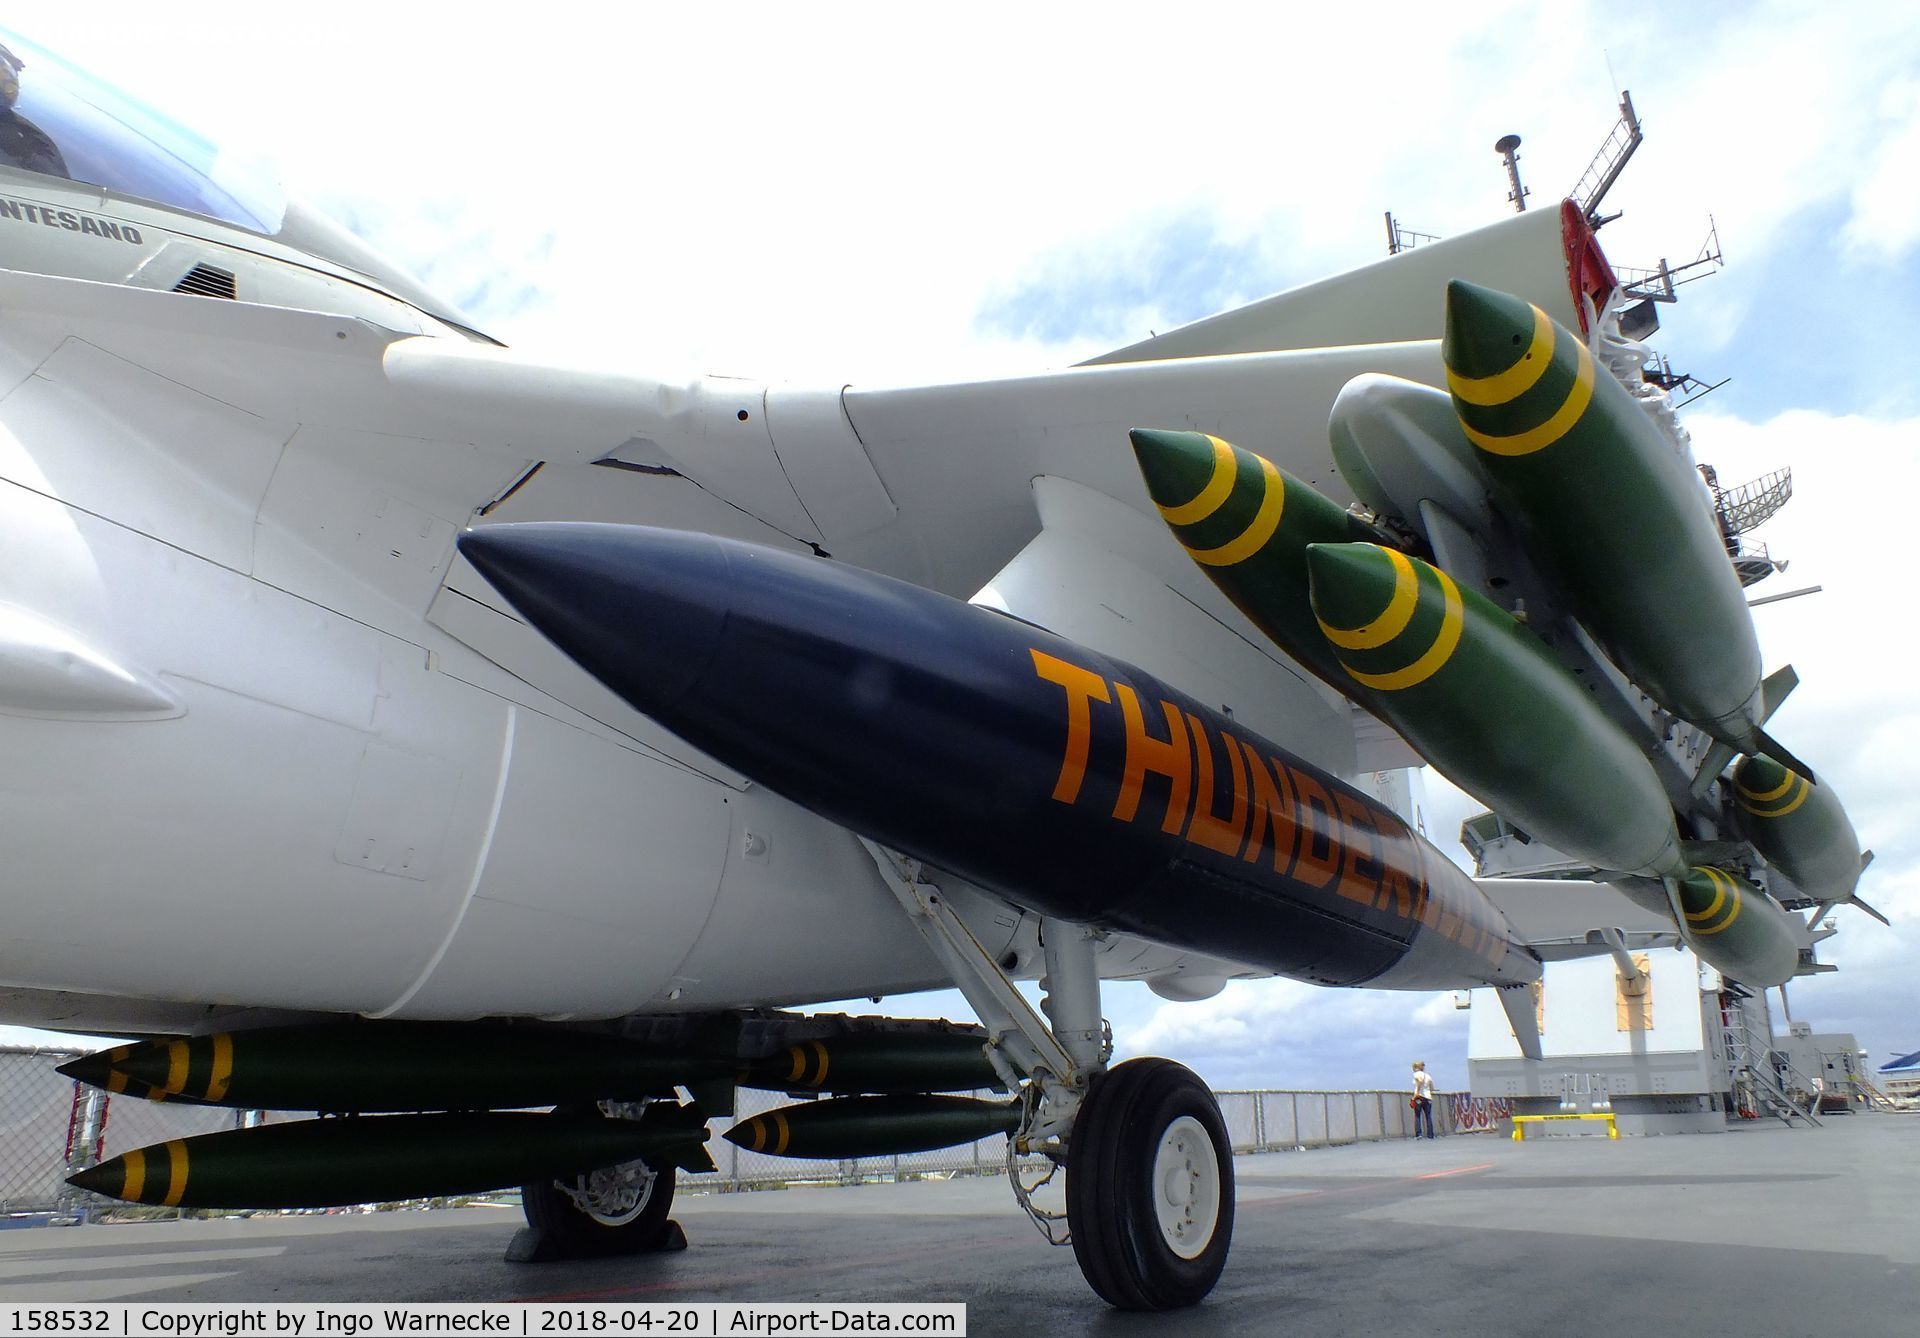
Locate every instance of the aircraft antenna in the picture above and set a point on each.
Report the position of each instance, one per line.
(1657, 285)
(1508, 147)
(1644, 287)
(1401, 238)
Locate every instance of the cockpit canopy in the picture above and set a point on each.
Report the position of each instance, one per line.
(59, 121)
(75, 132)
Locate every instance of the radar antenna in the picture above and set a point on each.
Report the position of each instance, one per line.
(1752, 504)
(1743, 509)
(1609, 162)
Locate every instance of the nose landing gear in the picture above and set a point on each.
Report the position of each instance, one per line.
(1149, 1166)
(1150, 1186)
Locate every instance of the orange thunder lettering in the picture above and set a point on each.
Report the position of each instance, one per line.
(1316, 834)
(1360, 870)
(1206, 829)
(1082, 686)
(1170, 757)
(1402, 890)
(1272, 807)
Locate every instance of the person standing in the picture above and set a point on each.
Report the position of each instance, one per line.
(1422, 1099)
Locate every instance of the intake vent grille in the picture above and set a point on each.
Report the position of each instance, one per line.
(207, 282)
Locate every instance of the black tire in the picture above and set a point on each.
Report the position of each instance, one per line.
(1140, 1247)
(571, 1230)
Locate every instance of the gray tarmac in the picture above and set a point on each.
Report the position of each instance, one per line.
(1760, 1231)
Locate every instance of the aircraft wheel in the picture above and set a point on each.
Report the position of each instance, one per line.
(615, 1210)
(621, 1209)
(1150, 1186)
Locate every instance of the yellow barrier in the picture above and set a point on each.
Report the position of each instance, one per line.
(1521, 1121)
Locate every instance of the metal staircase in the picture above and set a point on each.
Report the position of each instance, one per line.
(1764, 1076)
(1876, 1099)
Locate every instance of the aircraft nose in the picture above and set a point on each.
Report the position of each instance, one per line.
(640, 609)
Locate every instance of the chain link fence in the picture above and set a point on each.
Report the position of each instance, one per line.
(51, 1126)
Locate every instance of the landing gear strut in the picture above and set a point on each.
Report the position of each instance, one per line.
(1149, 1166)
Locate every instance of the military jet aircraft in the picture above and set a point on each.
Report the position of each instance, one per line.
(403, 728)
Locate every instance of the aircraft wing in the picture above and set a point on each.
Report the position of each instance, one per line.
(1564, 918)
(931, 483)
(926, 482)
(1544, 255)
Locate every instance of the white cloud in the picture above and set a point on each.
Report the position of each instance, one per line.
(1282, 1033)
(1886, 199)
(775, 193)
(1240, 1012)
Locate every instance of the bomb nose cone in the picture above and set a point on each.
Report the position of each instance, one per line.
(95, 1070)
(158, 1065)
(1763, 780)
(1736, 929)
(1179, 467)
(1352, 585)
(108, 1178)
(1708, 894)
(1487, 332)
(640, 609)
(154, 1066)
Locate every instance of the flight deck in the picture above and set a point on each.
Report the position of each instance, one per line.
(1762, 1230)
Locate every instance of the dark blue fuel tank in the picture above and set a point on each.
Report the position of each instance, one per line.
(1069, 783)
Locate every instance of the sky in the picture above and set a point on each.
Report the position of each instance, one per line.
(897, 193)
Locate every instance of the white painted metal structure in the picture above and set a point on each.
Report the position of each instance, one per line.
(1670, 1077)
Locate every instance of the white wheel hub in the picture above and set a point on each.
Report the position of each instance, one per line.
(613, 1196)
(1186, 1187)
